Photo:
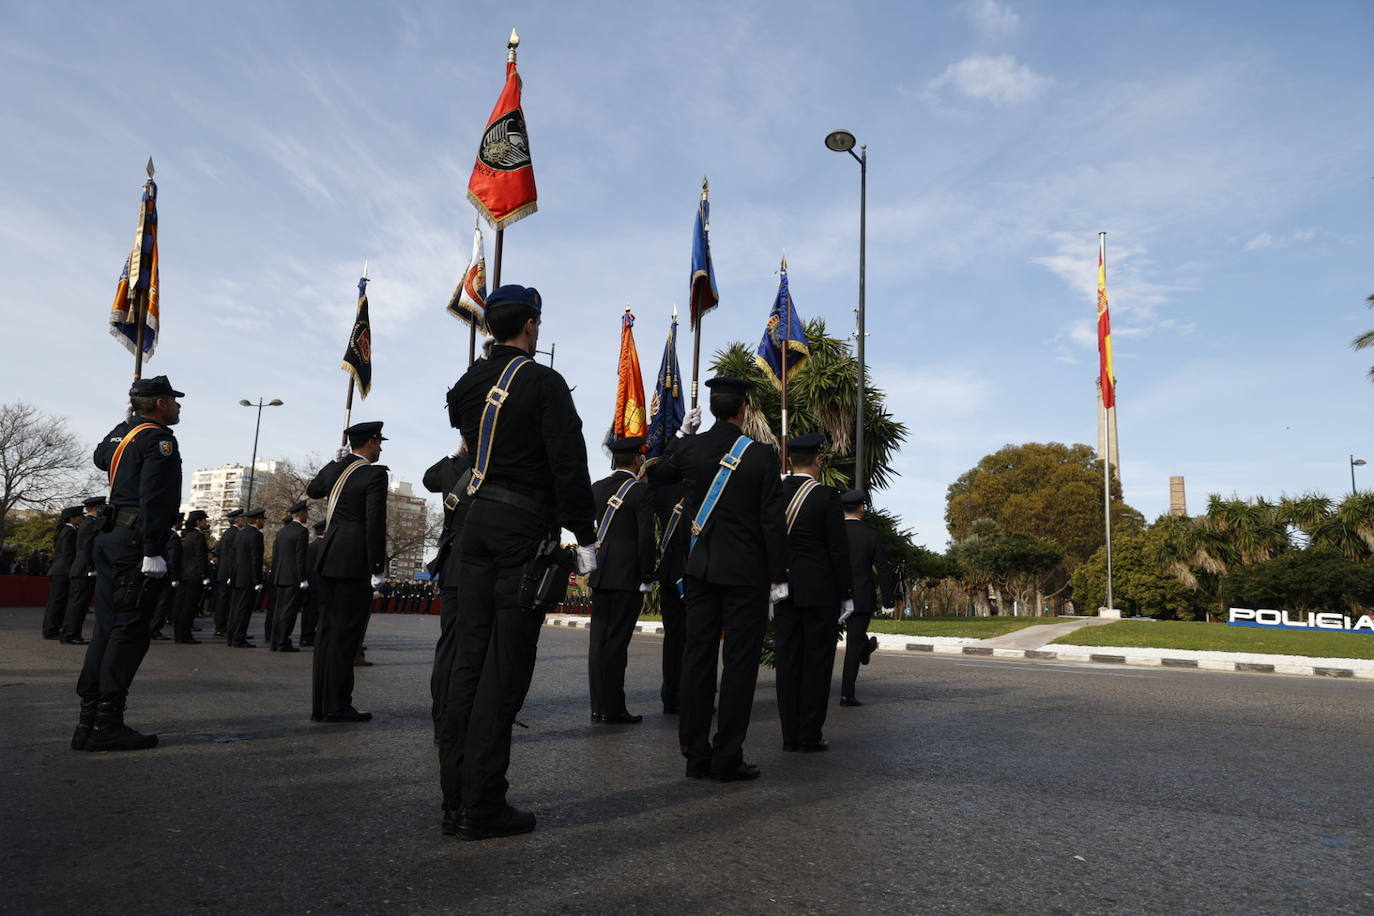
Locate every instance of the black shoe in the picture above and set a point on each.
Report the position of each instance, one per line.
(220, 634)
(348, 715)
(362, 664)
(596, 718)
(189, 641)
(111, 734)
(872, 647)
(850, 701)
(510, 822)
(195, 628)
(307, 643)
(698, 769)
(812, 747)
(243, 644)
(742, 773)
(49, 635)
(287, 649)
(272, 648)
(621, 718)
(73, 641)
(157, 635)
(315, 718)
(84, 723)
(449, 825)
(791, 746)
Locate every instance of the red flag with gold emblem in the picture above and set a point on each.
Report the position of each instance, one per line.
(1106, 372)
(629, 419)
(502, 183)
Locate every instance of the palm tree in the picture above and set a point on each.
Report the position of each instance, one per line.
(1366, 339)
(1305, 514)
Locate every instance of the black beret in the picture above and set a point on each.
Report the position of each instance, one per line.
(70, 513)
(729, 384)
(852, 499)
(181, 516)
(808, 442)
(627, 445)
(91, 502)
(359, 433)
(196, 515)
(298, 506)
(255, 513)
(155, 387)
(515, 294)
(318, 526)
(235, 514)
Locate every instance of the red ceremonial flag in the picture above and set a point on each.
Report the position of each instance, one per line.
(502, 183)
(629, 389)
(1106, 372)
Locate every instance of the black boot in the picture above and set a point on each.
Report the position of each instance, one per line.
(111, 734)
(85, 723)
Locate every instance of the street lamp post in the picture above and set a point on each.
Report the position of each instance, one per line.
(842, 141)
(253, 466)
(1354, 462)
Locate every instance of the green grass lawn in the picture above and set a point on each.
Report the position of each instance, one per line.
(1218, 637)
(966, 627)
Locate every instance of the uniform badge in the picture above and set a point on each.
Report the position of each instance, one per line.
(166, 447)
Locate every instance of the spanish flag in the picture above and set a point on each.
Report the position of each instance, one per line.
(629, 389)
(139, 281)
(1106, 372)
(502, 183)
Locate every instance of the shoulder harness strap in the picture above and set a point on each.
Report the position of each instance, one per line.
(123, 444)
(728, 463)
(670, 529)
(798, 498)
(338, 488)
(612, 506)
(491, 412)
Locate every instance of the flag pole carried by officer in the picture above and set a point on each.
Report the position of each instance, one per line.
(141, 459)
(529, 480)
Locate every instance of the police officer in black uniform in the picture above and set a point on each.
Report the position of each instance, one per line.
(167, 600)
(623, 575)
(82, 571)
(534, 482)
(820, 587)
(141, 456)
(59, 588)
(866, 556)
(738, 565)
(289, 551)
(195, 569)
(310, 614)
(448, 477)
(351, 564)
(248, 553)
(224, 576)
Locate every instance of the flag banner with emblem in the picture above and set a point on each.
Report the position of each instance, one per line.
(703, 295)
(502, 183)
(629, 387)
(357, 359)
(139, 281)
(1106, 372)
(666, 411)
(784, 338)
(469, 301)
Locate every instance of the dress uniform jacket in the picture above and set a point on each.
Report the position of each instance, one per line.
(248, 550)
(867, 554)
(173, 558)
(82, 565)
(355, 542)
(226, 555)
(149, 480)
(63, 550)
(289, 554)
(626, 555)
(195, 556)
(312, 565)
(441, 478)
(819, 573)
(745, 541)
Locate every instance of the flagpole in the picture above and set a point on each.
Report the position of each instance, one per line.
(787, 338)
(1106, 453)
(141, 298)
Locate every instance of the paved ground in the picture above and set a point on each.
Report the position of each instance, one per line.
(964, 786)
(1041, 634)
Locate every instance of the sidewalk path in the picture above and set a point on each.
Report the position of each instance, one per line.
(1042, 634)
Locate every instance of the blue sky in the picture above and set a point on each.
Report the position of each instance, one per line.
(1224, 147)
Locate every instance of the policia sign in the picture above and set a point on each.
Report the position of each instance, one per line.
(1269, 619)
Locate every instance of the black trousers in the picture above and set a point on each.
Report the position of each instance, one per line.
(855, 648)
(310, 614)
(165, 603)
(741, 614)
(805, 650)
(245, 600)
(284, 613)
(224, 601)
(614, 615)
(494, 656)
(120, 637)
(674, 613)
(80, 590)
(443, 655)
(344, 608)
(55, 611)
(186, 607)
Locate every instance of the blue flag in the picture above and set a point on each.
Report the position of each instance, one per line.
(666, 411)
(703, 295)
(784, 337)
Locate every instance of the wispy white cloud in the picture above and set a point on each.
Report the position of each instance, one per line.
(1269, 240)
(998, 80)
(992, 19)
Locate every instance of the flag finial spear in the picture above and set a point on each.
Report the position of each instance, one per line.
(364, 269)
(512, 44)
(783, 263)
(674, 313)
(150, 168)
(705, 187)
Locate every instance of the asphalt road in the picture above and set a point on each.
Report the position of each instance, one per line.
(964, 786)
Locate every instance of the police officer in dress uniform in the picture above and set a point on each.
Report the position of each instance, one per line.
(351, 564)
(247, 581)
(81, 574)
(866, 554)
(310, 614)
(167, 600)
(289, 560)
(820, 589)
(737, 566)
(449, 477)
(59, 588)
(535, 480)
(140, 454)
(224, 577)
(195, 570)
(623, 575)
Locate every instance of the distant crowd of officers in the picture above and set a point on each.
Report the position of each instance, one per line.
(727, 540)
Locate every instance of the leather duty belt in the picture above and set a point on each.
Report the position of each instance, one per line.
(499, 494)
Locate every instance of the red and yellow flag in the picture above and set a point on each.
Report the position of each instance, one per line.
(1106, 372)
(502, 183)
(629, 417)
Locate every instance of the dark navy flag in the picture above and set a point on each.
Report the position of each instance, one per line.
(703, 296)
(784, 337)
(666, 411)
(357, 359)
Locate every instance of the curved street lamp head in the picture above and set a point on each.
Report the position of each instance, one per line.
(275, 403)
(245, 403)
(841, 141)
(1358, 462)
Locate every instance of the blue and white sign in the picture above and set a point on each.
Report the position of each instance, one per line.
(1270, 619)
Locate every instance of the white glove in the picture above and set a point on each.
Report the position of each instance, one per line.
(343, 452)
(258, 587)
(91, 574)
(889, 611)
(305, 584)
(846, 609)
(378, 580)
(461, 449)
(154, 567)
(645, 587)
(690, 423)
(204, 582)
(777, 592)
(175, 584)
(586, 560)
